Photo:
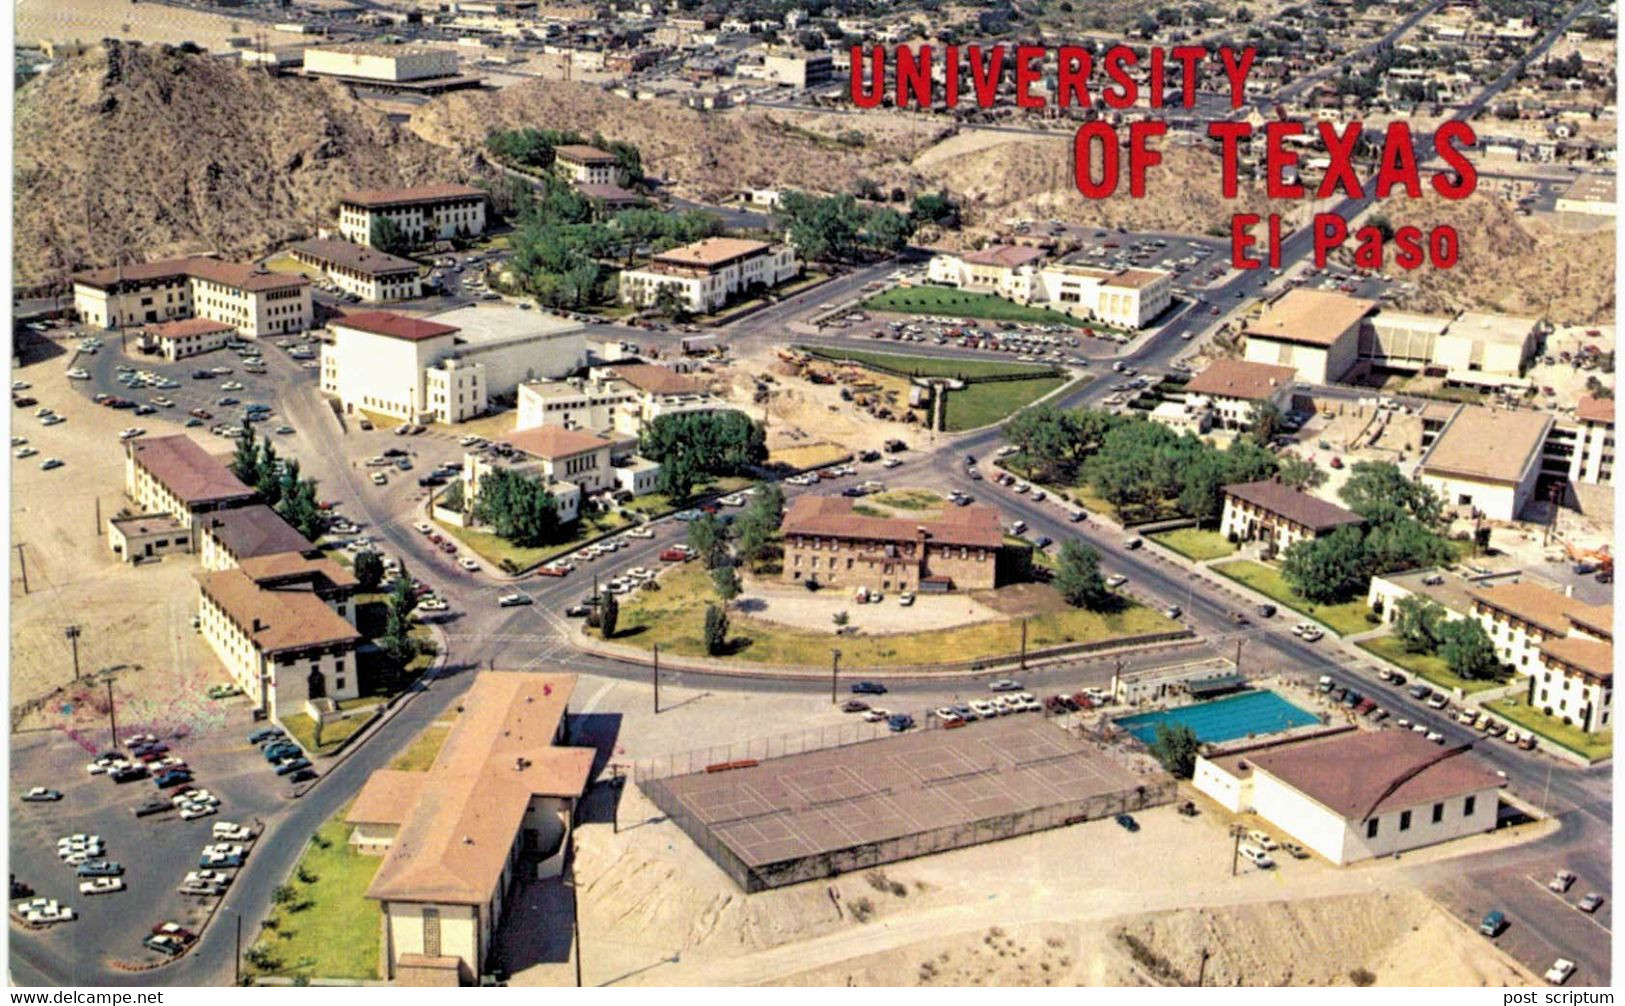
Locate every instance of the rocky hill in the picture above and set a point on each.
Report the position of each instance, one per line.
(162, 152)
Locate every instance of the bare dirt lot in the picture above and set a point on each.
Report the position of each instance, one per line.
(799, 413)
(136, 618)
(772, 600)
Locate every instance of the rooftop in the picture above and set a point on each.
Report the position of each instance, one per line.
(1501, 328)
(276, 620)
(1451, 592)
(190, 473)
(1005, 256)
(1314, 317)
(657, 380)
(1592, 656)
(255, 530)
(499, 323)
(581, 153)
(416, 194)
(1591, 188)
(975, 526)
(455, 839)
(1241, 379)
(395, 326)
(608, 193)
(1542, 606)
(1484, 444)
(188, 327)
(1134, 279)
(254, 279)
(555, 442)
(1594, 410)
(1297, 507)
(357, 258)
(282, 568)
(711, 252)
(387, 798)
(147, 523)
(1364, 773)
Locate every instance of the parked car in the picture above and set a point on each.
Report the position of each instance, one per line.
(1560, 882)
(1004, 685)
(1258, 857)
(1127, 823)
(868, 688)
(39, 794)
(899, 722)
(1560, 971)
(1590, 903)
(1493, 924)
(514, 600)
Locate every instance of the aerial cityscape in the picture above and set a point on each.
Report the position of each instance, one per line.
(812, 493)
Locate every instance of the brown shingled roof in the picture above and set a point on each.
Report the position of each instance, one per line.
(287, 619)
(555, 442)
(655, 379)
(192, 474)
(189, 326)
(1297, 507)
(1228, 378)
(387, 798)
(1314, 317)
(1550, 609)
(454, 843)
(1592, 656)
(285, 567)
(1363, 773)
(396, 326)
(711, 252)
(358, 258)
(233, 274)
(1135, 279)
(974, 526)
(1007, 256)
(373, 198)
(255, 530)
(583, 153)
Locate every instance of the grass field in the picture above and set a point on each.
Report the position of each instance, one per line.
(977, 405)
(1196, 544)
(1344, 619)
(961, 304)
(674, 617)
(329, 929)
(1426, 666)
(421, 753)
(1592, 746)
(910, 499)
(930, 366)
(494, 548)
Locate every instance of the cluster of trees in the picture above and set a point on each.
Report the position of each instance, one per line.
(605, 615)
(1401, 532)
(279, 484)
(839, 228)
(397, 641)
(691, 445)
(1133, 463)
(1176, 747)
(1077, 577)
(1424, 627)
(518, 507)
(533, 148)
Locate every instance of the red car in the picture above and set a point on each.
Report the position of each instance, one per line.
(202, 413)
(448, 546)
(174, 929)
(552, 571)
(675, 555)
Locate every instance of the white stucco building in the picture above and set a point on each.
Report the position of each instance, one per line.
(1234, 388)
(423, 213)
(1356, 794)
(1522, 617)
(176, 340)
(576, 465)
(707, 274)
(620, 399)
(1126, 298)
(366, 272)
(384, 63)
(585, 165)
(1315, 332)
(173, 475)
(1273, 512)
(444, 367)
(1487, 459)
(251, 299)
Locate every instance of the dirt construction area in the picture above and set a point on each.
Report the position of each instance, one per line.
(772, 600)
(136, 620)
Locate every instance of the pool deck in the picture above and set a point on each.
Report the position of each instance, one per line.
(1251, 715)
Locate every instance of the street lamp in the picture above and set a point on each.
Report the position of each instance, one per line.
(834, 671)
(72, 632)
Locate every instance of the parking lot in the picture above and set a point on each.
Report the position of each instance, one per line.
(156, 851)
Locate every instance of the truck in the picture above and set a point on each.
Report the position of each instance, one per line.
(693, 345)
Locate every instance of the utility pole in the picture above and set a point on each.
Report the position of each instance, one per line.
(1238, 654)
(575, 909)
(834, 672)
(112, 718)
(72, 632)
(21, 561)
(655, 676)
(237, 960)
(97, 530)
(1024, 644)
(1235, 854)
(1201, 970)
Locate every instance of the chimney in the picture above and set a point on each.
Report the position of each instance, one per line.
(258, 625)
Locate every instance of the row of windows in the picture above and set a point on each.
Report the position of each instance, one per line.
(1467, 807)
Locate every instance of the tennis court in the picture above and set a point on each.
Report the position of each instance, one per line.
(1247, 715)
(828, 811)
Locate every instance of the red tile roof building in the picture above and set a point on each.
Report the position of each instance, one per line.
(828, 543)
(252, 299)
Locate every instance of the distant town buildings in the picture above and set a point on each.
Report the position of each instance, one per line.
(446, 367)
(424, 213)
(827, 543)
(365, 272)
(1273, 512)
(705, 275)
(253, 300)
(1592, 194)
(798, 69)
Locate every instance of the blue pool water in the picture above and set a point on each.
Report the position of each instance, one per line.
(1261, 712)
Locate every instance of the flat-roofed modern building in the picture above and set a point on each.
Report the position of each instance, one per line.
(1592, 193)
(253, 300)
(575, 465)
(1234, 388)
(1315, 332)
(459, 841)
(1274, 512)
(366, 272)
(618, 400)
(173, 475)
(1487, 459)
(1357, 794)
(384, 63)
(828, 543)
(705, 275)
(1581, 449)
(423, 213)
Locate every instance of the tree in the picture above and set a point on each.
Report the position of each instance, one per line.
(245, 461)
(677, 477)
(517, 507)
(1176, 747)
(369, 570)
(840, 618)
(725, 579)
(689, 445)
(388, 237)
(1417, 621)
(709, 540)
(935, 208)
(1380, 492)
(1264, 421)
(716, 630)
(1467, 648)
(609, 614)
(1329, 569)
(1300, 473)
(1403, 544)
(1077, 576)
(1048, 438)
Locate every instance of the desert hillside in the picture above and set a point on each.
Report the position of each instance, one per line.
(164, 152)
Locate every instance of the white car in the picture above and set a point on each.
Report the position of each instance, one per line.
(232, 386)
(164, 403)
(423, 527)
(130, 432)
(640, 573)
(1029, 702)
(192, 811)
(43, 911)
(1004, 685)
(224, 849)
(1258, 857)
(513, 600)
(380, 479)
(207, 876)
(983, 708)
(1116, 580)
(25, 452)
(20, 385)
(876, 715)
(640, 532)
(1262, 840)
(231, 831)
(433, 604)
(619, 586)
(1560, 972)
(906, 598)
(51, 419)
(101, 885)
(78, 839)
(469, 564)
(79, 374)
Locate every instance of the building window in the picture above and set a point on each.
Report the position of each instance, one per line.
(1404, 820)
(1371, 828)
(1468, 805)
(1438, 813)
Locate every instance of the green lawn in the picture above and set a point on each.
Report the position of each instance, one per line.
(977, 405)
(1430, 668)
(1517, 710)
(674, 617)
(910, 499)
(656, 503)
(329, 929)
(963, 304)
(421, 753)
(1344, 619)
(1196, 544)
(930, 366)
(303, 729)
(494, 548)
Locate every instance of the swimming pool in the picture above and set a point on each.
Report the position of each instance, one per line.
(1261, 712)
